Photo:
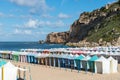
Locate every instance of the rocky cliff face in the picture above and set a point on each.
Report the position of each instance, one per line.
(57, 37)
(101, 24)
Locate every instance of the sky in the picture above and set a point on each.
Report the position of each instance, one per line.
(32, 20)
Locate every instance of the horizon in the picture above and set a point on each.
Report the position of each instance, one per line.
(32, 20)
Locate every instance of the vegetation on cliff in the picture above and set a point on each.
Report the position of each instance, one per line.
(96, 27)
(109, 30)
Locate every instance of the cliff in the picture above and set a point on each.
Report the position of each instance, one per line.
(57, 37)
(99, 27)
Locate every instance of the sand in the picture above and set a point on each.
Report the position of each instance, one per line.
(40, 72)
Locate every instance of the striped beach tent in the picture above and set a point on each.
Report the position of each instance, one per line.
(9, 72)
(15, 55)
(85, 63)
(92, 63)
(78, 61)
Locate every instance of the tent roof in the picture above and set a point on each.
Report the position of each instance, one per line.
(94, 58)
(15, 53)
(101, 59)
(9, 64)
(111, 58)
(2, 63)
(80, 57)
(31, 54)
(86, 58)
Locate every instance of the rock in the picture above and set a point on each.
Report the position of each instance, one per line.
(118, 42)
(88, 22)
(57, 37)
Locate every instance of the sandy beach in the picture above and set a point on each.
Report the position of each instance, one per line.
(41, 72)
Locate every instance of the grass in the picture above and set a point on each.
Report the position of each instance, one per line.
(109, 30)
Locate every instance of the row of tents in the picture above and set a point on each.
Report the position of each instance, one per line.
(93, 63)
(8, 71)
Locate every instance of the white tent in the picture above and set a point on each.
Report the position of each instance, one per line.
(102, 65)
(0, 73)
(9, 72)
(113, 64)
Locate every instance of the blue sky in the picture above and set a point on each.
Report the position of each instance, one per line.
(32, 20)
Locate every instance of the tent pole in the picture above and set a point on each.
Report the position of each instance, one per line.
(30, 73)
(19, 72)
(86, 68)
(78, 66)
(24, 74)
(2, 73)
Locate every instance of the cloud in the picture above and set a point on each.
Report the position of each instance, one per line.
(6, 15)
(31, 24)
(34, 5)
(25, 16)
(63, 16)
(1, 24)
(63, 2)
(46, 16)
(36, 24)
(26, 32)
(58, 23)
(1, 14)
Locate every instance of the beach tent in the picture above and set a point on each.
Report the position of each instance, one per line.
(92, 62)
(31, 58)
(75, 56)
(59, 56)
(61, 60)
(38, 58)
(78, 61)
(113, 65)
(102, 65)
(9, 72)
(2, 62)
(41, 58)
(66, 58)
(85, 64)
(50, 57)
(5, 54)
(23, 56)
(15, 56)
(55, 61)
(72, 60)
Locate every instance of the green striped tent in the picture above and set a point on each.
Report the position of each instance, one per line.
(78, 61)
(92, 62)
(15, 56)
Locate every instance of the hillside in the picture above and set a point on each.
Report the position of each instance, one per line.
(99, 27)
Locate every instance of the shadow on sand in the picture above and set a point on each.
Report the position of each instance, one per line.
(20, 79)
